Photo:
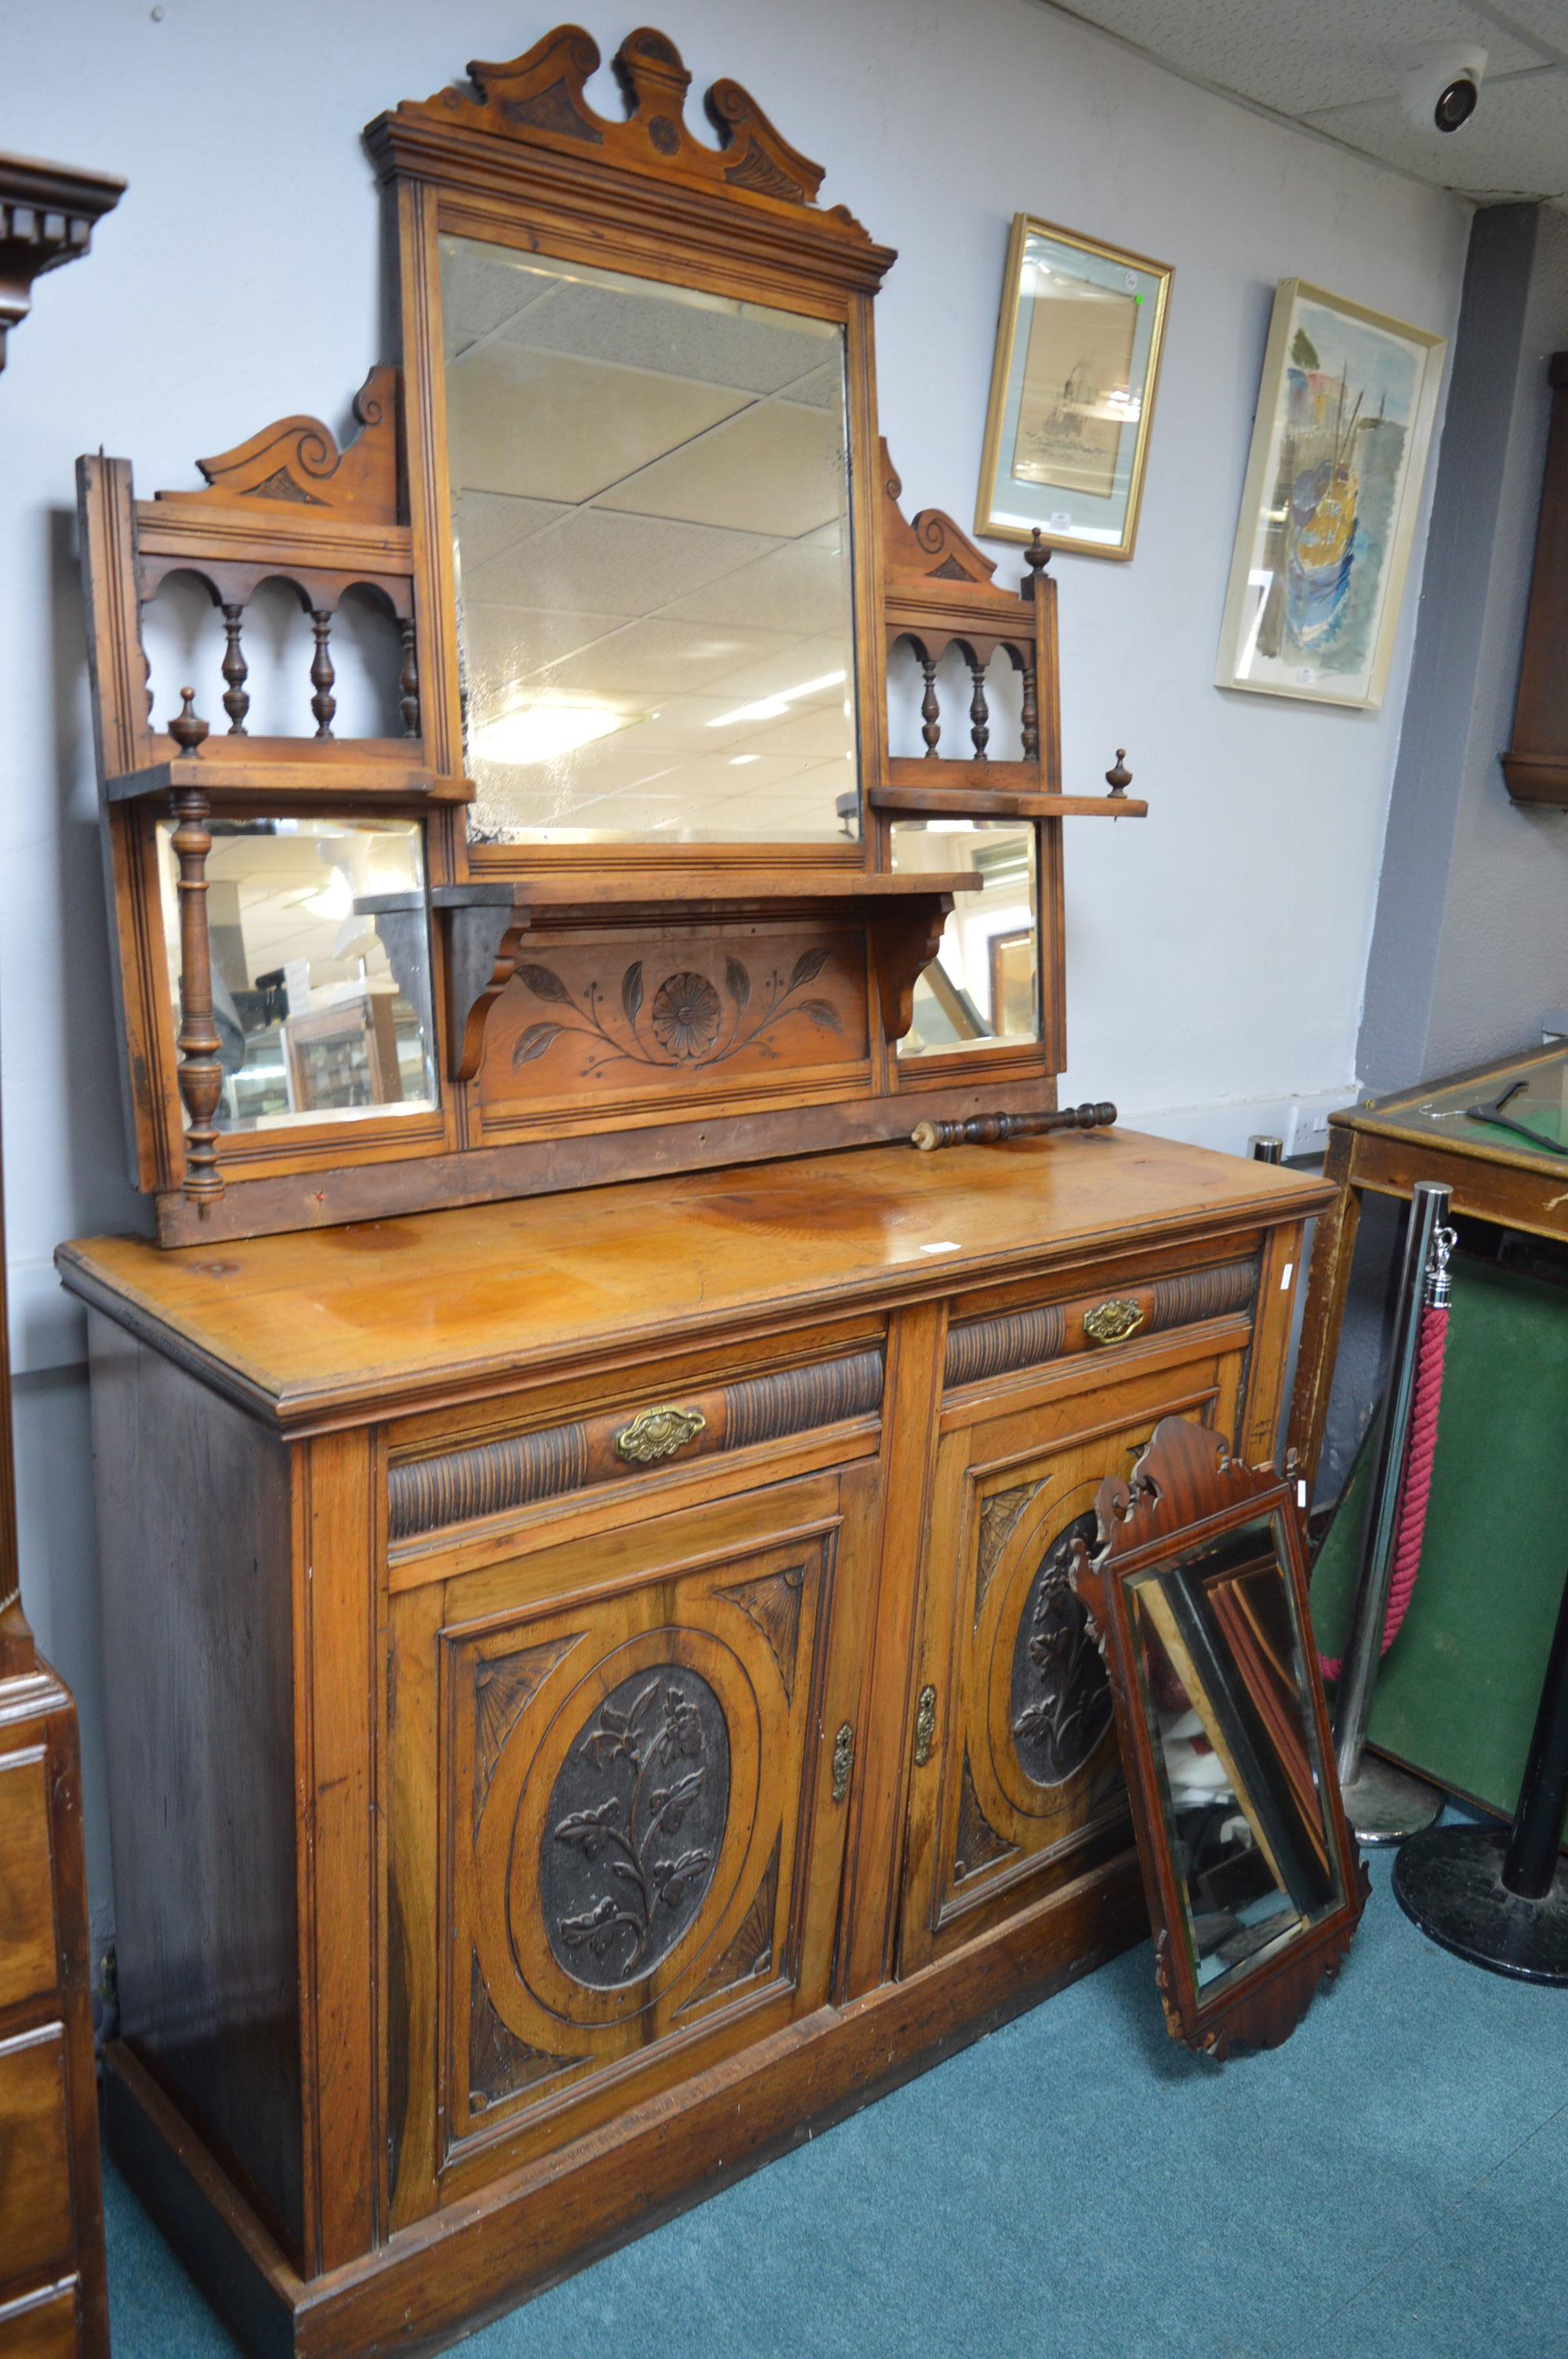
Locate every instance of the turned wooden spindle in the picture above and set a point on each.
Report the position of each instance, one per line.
(323, 704)
(1037, 557)
(236, 671)
(993, 1129)
(979, 712)
(408, 680)
(200, 1075)
(1030, 714)
(930, 711)
(1120, 778)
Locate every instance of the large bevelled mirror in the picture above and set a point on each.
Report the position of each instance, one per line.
(650, 526)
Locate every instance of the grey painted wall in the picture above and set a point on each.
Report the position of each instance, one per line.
(1470, 942)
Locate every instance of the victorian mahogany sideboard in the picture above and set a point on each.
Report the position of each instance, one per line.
(596, 1688)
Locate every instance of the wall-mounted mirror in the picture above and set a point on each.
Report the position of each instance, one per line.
(320, 968)
(1199, 1596)
(651, 524)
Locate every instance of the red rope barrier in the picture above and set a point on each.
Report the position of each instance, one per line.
(1421, 1448)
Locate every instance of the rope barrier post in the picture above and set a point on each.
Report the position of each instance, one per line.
(1384, 1804)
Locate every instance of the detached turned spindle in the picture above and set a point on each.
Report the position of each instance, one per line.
(930, 711)
(200, 1075)
(979, 712)
(408, 679)
(323, 704)
(236, 671)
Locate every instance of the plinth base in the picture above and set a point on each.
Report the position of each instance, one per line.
(1449, 1883)
(1384, 1804)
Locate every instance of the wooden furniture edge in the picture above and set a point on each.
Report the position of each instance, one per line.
(297, 1412)
(452, 2272)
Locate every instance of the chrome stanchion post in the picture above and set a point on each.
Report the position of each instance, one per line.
(1383, 1804)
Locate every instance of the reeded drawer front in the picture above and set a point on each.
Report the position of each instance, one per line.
(46, 2329)
(672, 1425)
(1101, 1322)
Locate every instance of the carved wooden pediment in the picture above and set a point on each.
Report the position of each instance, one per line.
(538, 101)
(296, 463)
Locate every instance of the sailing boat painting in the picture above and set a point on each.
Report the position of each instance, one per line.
(1339, 450)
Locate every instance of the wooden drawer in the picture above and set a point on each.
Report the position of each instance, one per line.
(46, 2328)
(1015, 1778)
(625, 1435)
(36, 2239)
(1123, 1312)
(27, 1882)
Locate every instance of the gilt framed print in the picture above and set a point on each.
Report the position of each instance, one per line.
(1339, 450)
(1077, 353)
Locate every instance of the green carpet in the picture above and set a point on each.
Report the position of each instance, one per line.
(1392, 2184)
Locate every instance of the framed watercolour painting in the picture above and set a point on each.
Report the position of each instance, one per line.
(1339, 450)
(1077, 353)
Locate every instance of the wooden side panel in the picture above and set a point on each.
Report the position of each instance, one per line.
(1016, 1783)
(194, 1542)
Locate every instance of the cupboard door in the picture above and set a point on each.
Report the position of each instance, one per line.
(639, 1839)
(1016, 1781)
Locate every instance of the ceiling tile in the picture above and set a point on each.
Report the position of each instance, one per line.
(658, 657)
(800, 587)
(1515, 144)
(1301, 59)
(487, 522)
(598, 563)
(673, 332)
(776, 468)
(554, 427)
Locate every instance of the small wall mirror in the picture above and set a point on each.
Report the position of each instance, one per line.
(1199, 1598)
(983, 986)
(320, 968)
(651, 524)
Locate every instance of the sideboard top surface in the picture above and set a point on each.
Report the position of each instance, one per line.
(375, 1315)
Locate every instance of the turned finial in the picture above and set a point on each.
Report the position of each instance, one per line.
(1120, 779)
(1037, 557)
(188, 729)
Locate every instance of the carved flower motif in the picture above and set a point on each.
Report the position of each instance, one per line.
(687, 1014)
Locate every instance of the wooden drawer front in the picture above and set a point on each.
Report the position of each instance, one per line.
(41, 2330)
(1016, 1780)
(28, 1966)
(978, 1348)
(35, 2166)
(638, 1839)
(494, 1477)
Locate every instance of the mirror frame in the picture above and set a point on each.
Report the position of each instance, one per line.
(522, 159)
(1184, 1490)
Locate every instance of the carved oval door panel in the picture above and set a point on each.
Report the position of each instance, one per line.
(636, 1858)
(1018, 1787)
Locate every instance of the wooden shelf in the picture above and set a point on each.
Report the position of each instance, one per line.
(374, 769)
(485, 920)
(989, 802)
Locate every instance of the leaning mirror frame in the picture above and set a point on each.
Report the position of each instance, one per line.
(1185, 1502)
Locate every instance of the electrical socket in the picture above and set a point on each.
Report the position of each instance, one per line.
(1307, 1130)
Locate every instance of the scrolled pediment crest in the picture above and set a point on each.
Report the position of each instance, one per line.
(539, 99)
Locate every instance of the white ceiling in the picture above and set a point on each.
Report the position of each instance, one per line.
(1337, 66)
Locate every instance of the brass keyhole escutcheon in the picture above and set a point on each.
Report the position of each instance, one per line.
(924, 1726)
(843, 1761)
(1112, 1321)
(658, 1433)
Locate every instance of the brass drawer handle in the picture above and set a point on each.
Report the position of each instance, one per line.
(1113, 1321)
(658, 1433)
(843, 1761)
(924, 1726)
